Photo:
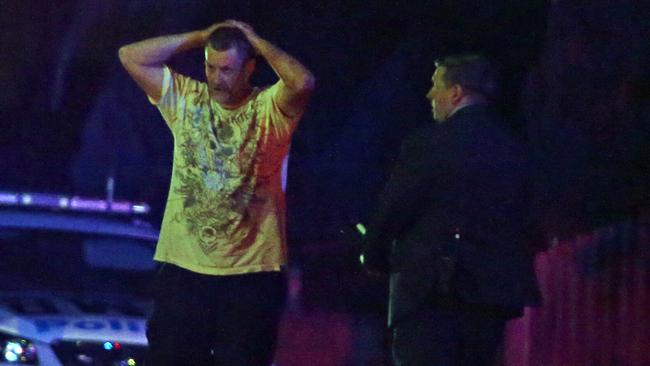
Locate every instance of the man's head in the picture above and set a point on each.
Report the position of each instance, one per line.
(458, 80)
(229, 64)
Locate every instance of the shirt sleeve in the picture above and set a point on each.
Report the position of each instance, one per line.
(165, 85)
(281, 124)
(175, 96)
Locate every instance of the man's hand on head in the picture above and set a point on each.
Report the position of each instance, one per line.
(248, 31)
(205, 33)
(244, 27)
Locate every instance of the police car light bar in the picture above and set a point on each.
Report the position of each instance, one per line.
(53, 201)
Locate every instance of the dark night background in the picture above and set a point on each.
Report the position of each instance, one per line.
(575, 77)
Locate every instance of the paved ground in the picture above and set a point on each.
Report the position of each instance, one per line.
(317, 330)
(325, 338)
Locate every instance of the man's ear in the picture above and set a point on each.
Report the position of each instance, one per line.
(249, 67)
(457, 94)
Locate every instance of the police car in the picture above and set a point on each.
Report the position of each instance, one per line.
(75, 278)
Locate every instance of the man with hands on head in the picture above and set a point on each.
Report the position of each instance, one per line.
(220, 291)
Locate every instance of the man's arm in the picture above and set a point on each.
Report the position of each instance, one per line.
(297, 82)
(144, 60)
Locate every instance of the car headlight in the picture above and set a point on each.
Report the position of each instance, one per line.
(17, 350)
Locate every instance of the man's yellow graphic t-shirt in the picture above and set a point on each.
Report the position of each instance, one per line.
(225, 211)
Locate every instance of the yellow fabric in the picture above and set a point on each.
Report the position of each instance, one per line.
(225, 211)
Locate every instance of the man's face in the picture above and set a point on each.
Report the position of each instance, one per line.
(227, 75)
(441, 96)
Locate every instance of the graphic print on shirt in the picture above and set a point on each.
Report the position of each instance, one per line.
(217, 180)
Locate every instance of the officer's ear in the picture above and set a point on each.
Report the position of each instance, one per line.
(457, 93)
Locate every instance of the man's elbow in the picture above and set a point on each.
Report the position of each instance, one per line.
(308, 84)
(123, 54)
(301, 88)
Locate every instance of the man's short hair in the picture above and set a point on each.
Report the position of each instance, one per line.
(225, 38)
(474, 73)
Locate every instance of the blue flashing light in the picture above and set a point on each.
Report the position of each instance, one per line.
(64, 202)
(142, 208)
(9, 198)
(26, 199)
(108, 346)
(52, 201)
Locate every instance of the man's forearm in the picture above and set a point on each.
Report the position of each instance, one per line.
(157, 51)
(292, 73)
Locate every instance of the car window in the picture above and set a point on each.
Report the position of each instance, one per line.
(35, 259)
(118, 254)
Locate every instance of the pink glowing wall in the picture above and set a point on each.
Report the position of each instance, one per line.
(596, 311)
